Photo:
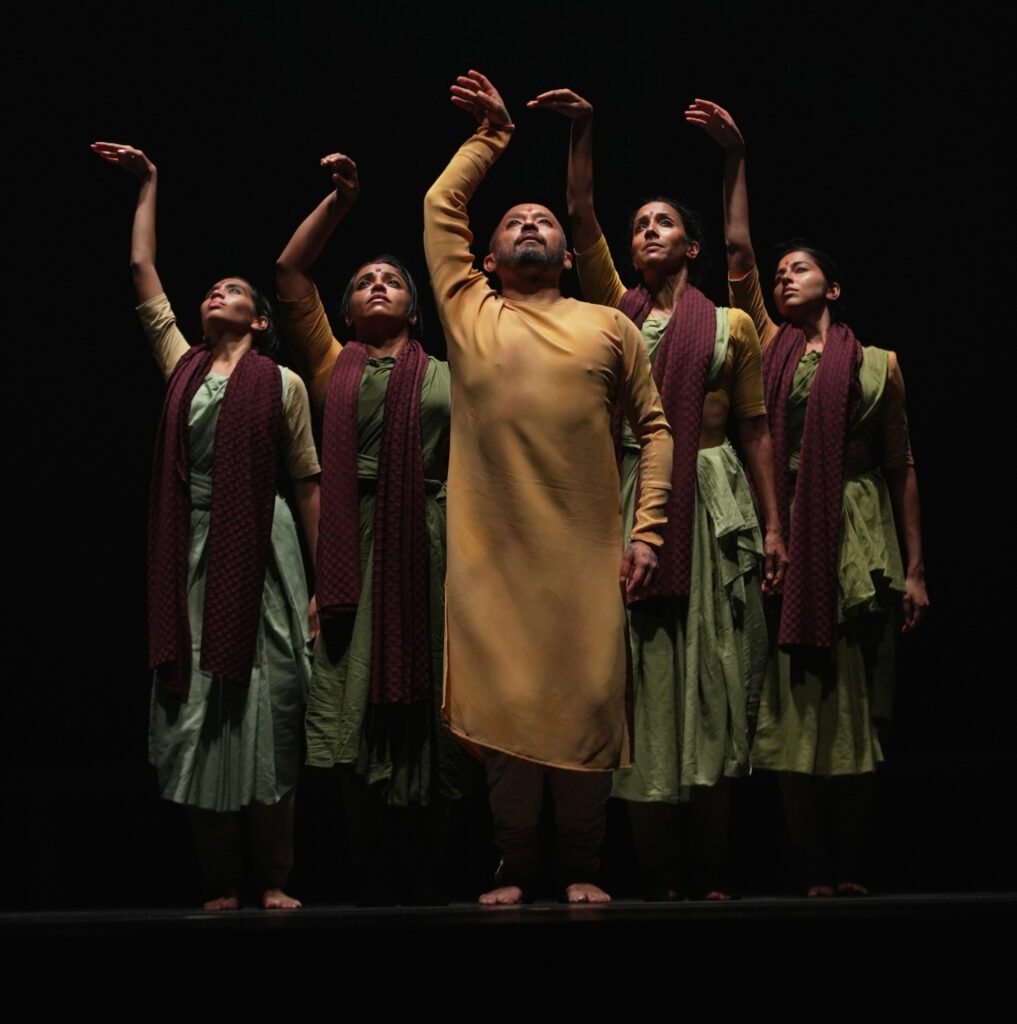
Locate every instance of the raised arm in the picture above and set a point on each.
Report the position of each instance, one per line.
(146, 281)
(447, 235)
(579, 192)
(721, 127)
(292, 269)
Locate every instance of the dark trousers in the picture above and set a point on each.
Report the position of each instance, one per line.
(224, 841)
(516, 790)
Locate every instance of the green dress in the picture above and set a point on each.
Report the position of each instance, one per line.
(402, 748)
(226, 745)
(827, 723)
(698, 662)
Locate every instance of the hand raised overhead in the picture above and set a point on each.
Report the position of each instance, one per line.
(474, 93)
(127, 157)
(563, 101)
(717, 123)
(344, 175)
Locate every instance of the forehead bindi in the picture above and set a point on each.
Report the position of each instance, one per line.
(376, 270)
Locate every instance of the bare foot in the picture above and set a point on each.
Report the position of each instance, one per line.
(819, 890)
(717, 896)
(504, 895)
(276, 899)
(222, 903)
(852, 889)
(586, 892)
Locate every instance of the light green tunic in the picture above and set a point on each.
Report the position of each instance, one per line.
(827, 723)
(402, 747)
(698, 662)
(226, 745)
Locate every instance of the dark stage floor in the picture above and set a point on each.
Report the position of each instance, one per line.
(901, 951)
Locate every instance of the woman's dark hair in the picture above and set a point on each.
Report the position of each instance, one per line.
(827, 267)
(266, 341)
(694, 232)
(346, 304)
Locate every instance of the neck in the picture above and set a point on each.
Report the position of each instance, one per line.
(383, 343)
(532, 284)
(228, 349)
(815, 326)
(666, 289)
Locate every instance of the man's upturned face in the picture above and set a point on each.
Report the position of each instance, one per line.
(528, 236)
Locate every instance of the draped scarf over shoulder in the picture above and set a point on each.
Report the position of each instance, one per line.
(245, 459)
(400, 654)
(809, 606)
(679, 371)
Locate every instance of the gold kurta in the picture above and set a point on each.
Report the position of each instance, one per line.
(535, 649)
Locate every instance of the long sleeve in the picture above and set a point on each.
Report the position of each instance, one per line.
(459, 288)
(641, 404)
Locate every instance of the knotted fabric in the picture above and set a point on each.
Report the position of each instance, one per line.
(400, 652)
(683, 360)
(245, 457)
(809, 606)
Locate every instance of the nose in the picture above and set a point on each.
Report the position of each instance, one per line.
(378, 286)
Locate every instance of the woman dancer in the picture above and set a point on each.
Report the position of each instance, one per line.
(699, 647)
(229, 622)
(375, 697)
(840, 431)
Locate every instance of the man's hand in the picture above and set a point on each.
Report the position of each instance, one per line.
(638, 567)
(565, 102)
(717, 123)
(473, 92)
(344, 176)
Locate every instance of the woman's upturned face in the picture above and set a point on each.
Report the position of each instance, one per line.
(379, 292)
(801, 287)
(659, 240)
(229, 305)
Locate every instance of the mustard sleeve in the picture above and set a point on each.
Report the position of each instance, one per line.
(309, 335)
(164, 337)
(458, 287)
(747, 399)
(640, 402)
(745, 293)
(896, 437)
(597, 274)
(299, 454)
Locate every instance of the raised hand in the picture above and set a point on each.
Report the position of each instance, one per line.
(344, 175)
(717, 123)
(127, 157)
(563, 101)
(474, 93)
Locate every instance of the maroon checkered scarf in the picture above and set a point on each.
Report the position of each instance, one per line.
(683, 361)
(243, 500)
(809, 607)
(400, 651)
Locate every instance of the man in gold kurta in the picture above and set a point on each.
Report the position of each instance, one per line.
(535, 665)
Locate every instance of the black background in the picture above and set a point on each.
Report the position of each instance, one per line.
(877, 130)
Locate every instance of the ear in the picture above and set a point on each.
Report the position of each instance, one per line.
(693, 251)
(413, 318)
(833, 292)
(259, 323)
(490, 263)
(566, 263)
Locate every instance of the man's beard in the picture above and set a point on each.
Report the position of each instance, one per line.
(550, 256)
